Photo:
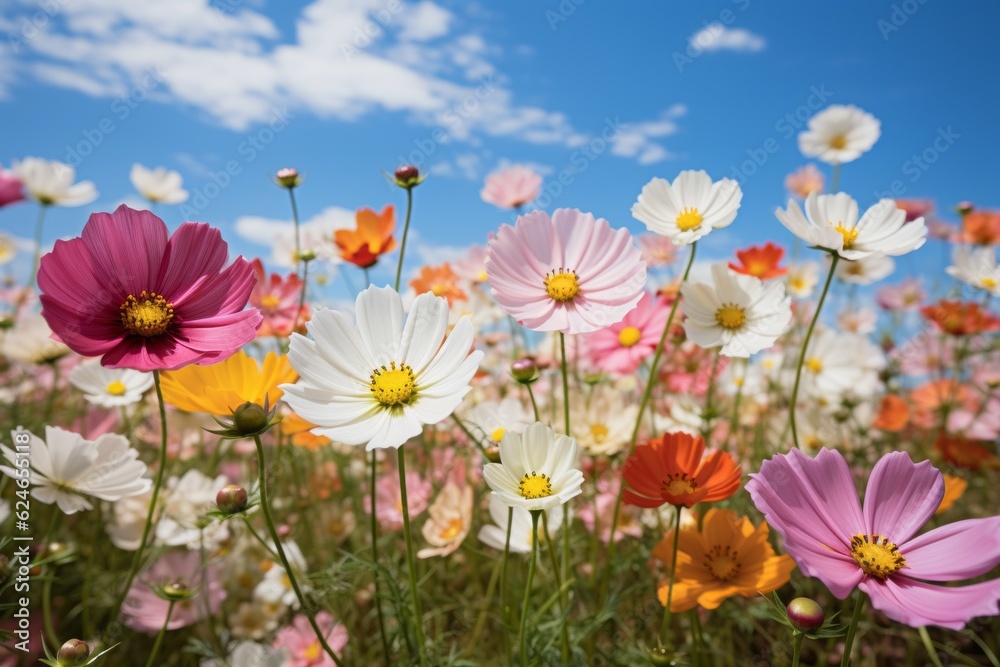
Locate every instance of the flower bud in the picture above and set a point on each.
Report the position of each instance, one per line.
(493, 454)
(805, 614)
(524, 371)
(73, 652)
(407, 176)
(662, 656)
(231, 499)
(288, 178)
(964, 207)
(307, 255)
(249, 418)
(177, 592)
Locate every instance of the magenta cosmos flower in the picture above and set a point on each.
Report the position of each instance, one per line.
(568, 273)
(11, 189)
(620, 348)
(511, 187)
(125, 292)
(813, 503)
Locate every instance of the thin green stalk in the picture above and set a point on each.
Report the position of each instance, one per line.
(50, 403)
(734, 421)
(852, 629)
(503, 567)
(406, 229)
(374, 533)
(39, 226)
(481, 617)
(160, 634)
(47, 585)
(264, 543)
(527, 588)
(534, 404)
(302, 296)
(929, 645)
(664, 639)
(646, 394)
(563, 603)
(835, 179)
(796, 648)
(295, 221)
(805, 345)
(273, 531)
(707, 418)
(157, 485)
(565, 382)
(411, 564)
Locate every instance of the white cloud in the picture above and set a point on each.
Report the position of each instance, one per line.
(425, 21)
(639, 140)
(717, 37)
(315, 234)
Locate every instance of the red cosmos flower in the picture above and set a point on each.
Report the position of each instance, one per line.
(960, 319)
(760, 261)
(127, 293)
(965, 453)
(670, 469)
(277, 299)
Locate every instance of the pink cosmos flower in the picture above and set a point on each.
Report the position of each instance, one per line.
(906, 296)
(512, 187)
(620, 348)
(804, 180)
(603, 509)
(814, 505)
(302, 647)
(689, 369)
(570, 273)
(657, 250)
(389, 503)
(916, 208)
(144, 611)
(125, 292)
(943, 231)
(472, 265)
(277, 299)
(11, 188)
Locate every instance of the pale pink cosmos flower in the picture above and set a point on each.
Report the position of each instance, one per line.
(657, 250)
(389, 503)
(925, 354)
(804, 181)
(688, 370)
(570, 273)
(449, 522)
(512, 187)
(127, 293)
(621, 348)
(472, 265)
(813, 504)
(144, 611)
(277, 299)
(916, 208)
(906, 296)
(943, 230)
(303, 648)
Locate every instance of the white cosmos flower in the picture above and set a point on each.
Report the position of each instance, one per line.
(51, 183)
(30, 342)
(866, 270)
(741, 313)
(976, 267)
(496, 418)
(833, 224)
(603, 423)
(537, 469)
(801, 279)
(689, 208)
(521, 535)
(65, 468)
(159, 185)
(8, 249)
(379, 381)
(186, 501)
(110, 387)
(839, 364)
(839, 134)
(858, 320)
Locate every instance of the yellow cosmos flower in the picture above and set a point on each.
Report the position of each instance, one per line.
(727, 557)
(220, 388)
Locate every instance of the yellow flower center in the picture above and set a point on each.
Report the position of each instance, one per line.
(392, 386)
(562, 285)
(451, 530)
(688, 219)
(482, 277)
(312, 652)
(730, 316)
(534, 486)
(497, 434)
(723, 562)
(876, 555)
(439, 289)
(850, 234)
(679, 484)
(147, 315)
(798, 284)
(270, 303)
(988, 282)
(629, 336)
(814, 364)
(838, 142)
(116, 388)
(599, 432)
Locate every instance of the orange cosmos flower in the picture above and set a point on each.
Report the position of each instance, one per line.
(954, 487)
(727, 557)
(960, 319)
(893, 414)
(439, 281)
(981, 227)
(371, 239)
(760, 261)
(963, 453)
(670, 469)
(301, 431)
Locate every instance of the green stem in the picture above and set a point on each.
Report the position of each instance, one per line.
(374, 533)
(264, 543)
(835, 179)
(410, 561)
(796, 648)
(406, 230)
(665, 626)
(481, 617)
(646, 394)
(273, 531)
(160, 634)
(51, 402)
(157, 485)
(805, 345)
(565, 382)
(929, 645)
(527, 588)
(47, 585)
(564, 630)
(39, 226)
(503, 567)
(295, 220)
(534, 405)
(706, 416)
(302, 297)
(734, 422)
(852, 629)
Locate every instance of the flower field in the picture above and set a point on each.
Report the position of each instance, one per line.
(570, 445)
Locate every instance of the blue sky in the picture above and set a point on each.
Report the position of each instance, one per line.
(193, 85)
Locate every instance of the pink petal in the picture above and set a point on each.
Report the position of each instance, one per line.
(222, 293)
(194, 250)
(126, 248)
(901, 496)
(916, 603)
(959, 550)
(70, 276)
